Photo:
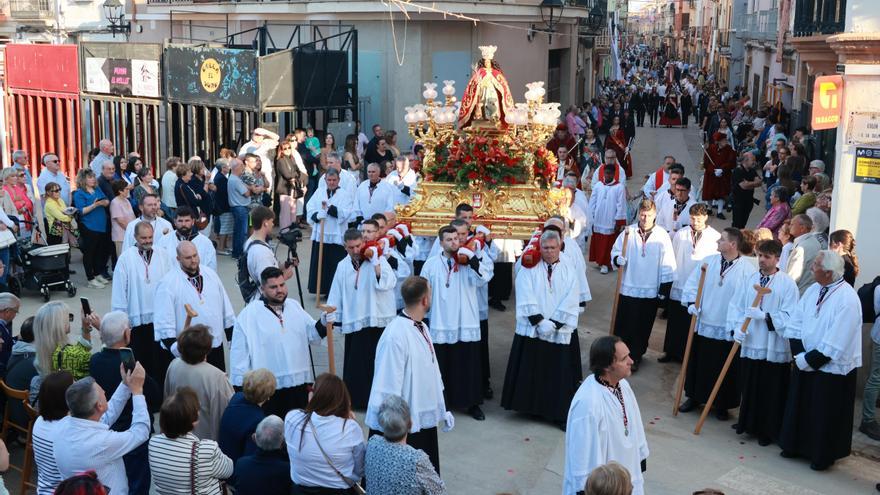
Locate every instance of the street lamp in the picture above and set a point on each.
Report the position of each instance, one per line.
(114, 11)
(551, 13)
(596, 17)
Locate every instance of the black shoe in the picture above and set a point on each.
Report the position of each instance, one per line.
(721, 216)
(820, 466)
(496, 304)
(735, 426)
(787, 454)
(476, 413)
(764, 441)
(107, 275)
(722, 414)
(666, 358)
(71, 272)
(688, 406)
(870, 428)
(488, 393)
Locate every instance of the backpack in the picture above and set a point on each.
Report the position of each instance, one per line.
(866, 297)
(246, 285)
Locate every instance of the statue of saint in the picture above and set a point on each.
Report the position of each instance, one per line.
(487, 97)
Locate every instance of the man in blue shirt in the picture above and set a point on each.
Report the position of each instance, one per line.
(239, 199)
(106, 154)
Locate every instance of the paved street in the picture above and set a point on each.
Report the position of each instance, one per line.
(514, 454)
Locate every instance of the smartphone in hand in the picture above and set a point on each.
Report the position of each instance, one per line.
(127, 357)
(86, 307)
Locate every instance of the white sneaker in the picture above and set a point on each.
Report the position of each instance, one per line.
(100, 278)
(96, 284)
(603, 269)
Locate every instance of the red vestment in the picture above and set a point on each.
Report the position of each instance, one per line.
(617, 141)
(715, 158)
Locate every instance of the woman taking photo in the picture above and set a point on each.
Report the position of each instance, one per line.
(290, 183)
(325, 442)
(180, 463)
(94, 238)
(121, 213)
(52, 340)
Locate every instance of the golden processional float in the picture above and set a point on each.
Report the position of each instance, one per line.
(487, 152)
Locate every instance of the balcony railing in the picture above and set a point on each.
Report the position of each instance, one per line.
(760, 26)
(30, 9)
(816, 17)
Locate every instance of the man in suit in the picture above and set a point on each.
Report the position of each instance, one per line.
(637, 105)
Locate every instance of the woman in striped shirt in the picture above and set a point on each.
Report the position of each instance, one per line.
(181, 463)
(53, 407)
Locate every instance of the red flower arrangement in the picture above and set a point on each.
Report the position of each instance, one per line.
(492, 161)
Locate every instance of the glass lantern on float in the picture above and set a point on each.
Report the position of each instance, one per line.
(485, 150)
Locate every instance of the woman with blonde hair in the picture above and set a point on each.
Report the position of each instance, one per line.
(52, 341)
(609, 479)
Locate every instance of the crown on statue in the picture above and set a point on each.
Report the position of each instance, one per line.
(488, 51)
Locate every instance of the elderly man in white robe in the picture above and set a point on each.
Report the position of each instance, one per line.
(274, 332)
(650, 267)
(330, 209)
(137, 273)
(826, 340)
(544, 367)
(184, 223)
(374, 195)
(691, 244)
(765, 355)
(362, 291)
(726, 272)
(404, 178)
(150, 214)
(455, 319)
(201, 288)
(406, 365)
(604, 422)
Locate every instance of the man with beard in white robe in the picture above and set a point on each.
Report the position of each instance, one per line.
(455, 319)
(604, 422)
(650, 266)
(333, 206)
(184, 222)
(826, 339)
(137, 273)
(544, 367)
(200, 287)
(406, 365)
(149, 213)
(765, 356)
(691, 245)
(274, 332)
(672, 214)
(726, 272)
(362, 291)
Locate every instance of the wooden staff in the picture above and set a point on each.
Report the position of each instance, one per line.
(330, 353)
(320, 265)
(619, 281)
(690, 341)
(760, 293)
(190, 314)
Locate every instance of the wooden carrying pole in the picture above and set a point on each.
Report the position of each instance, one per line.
(619, 281)
(190, 314)
(320, 266)
(331, 355)
(760, 292)
(690, 340)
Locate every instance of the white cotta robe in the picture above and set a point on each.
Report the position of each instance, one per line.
(717, 294)
(834, 328)
(134, 284)
(334, 227)
(423, 245)
(555, 298)
(508, 249)
(650, 188)
(409, 179)
(161, 227)
(575, 258)
(607, 206)
(666, 216)
(595, 435)
(207, 252)
(212, 305)
(360, 300)
(760, 342)
(492, 253)
(260, 340)
(383, 199)
(689, 255)
(599, 173)
(578, 225)
(581, 199)
(403, 270)
(406, 366)
(648, 264)
(455, 312)
(347, 181)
